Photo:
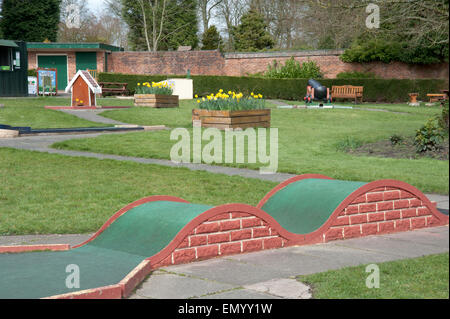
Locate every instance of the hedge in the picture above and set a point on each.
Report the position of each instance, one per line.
(375, 90)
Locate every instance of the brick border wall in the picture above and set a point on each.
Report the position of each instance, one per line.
(167, 62)
(225, 234)
(381, 211)
(241, 64)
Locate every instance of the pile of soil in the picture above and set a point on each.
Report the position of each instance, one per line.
(403, 149)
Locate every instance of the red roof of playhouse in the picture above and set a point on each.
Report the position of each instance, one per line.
(87, 77)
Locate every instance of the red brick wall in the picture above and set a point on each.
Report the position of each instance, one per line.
(331, 65)
(241, 64)
(381, 211)
(225, 234)
(171, 62)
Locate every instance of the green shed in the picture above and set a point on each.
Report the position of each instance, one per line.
(13, 68)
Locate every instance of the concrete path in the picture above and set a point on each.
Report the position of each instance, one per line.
(282, 104)
(42, 143)
(93, 116)
(268, 274)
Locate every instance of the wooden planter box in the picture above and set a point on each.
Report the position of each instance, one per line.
(156, 100)
(231, 119)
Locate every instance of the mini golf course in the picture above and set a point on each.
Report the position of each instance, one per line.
(162, 230)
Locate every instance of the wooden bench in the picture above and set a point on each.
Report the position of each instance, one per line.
(436, 97)
(114, 87)
(347, 92)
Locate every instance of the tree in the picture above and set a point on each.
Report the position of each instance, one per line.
(107, 27)
(207, 8)
(182, 25)
(251, 34)
(160, 24)
(1, 33)
(30, 20)
(283, 19)
(230, 12)
(410, 31)
(69, 33)
(211, 39)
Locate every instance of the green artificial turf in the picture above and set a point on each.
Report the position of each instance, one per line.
(138, 234)
(302, 207)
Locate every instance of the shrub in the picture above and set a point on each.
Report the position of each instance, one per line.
(32, 72)
(395, 139)
(356, 75)
(292, 69)
(443, 118)
(375, 90)
(429, 137)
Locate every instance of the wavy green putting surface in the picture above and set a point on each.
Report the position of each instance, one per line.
(138, 234)
(303, 206)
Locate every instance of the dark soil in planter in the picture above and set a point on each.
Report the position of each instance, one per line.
(403, 149)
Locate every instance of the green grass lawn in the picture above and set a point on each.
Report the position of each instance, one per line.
(44, 193)
(31, 112)
(310, 141)
(424, 277)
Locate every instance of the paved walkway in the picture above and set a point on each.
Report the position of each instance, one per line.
(42, 143)
(270, 274)
(93, 116)
(282, 104)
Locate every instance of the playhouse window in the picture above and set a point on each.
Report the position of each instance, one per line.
(6, 59)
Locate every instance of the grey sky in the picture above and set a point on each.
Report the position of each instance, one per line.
(95, 5)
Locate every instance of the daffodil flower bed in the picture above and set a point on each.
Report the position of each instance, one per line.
(231, 101)
(161, 88)
(231, 111)
(158, 95)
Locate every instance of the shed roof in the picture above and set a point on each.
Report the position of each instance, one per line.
(71, 46)
(8, 43)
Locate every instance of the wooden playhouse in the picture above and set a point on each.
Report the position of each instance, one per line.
(84, 89)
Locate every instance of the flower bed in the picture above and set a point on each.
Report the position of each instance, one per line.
(231, 110)
(158, 95)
